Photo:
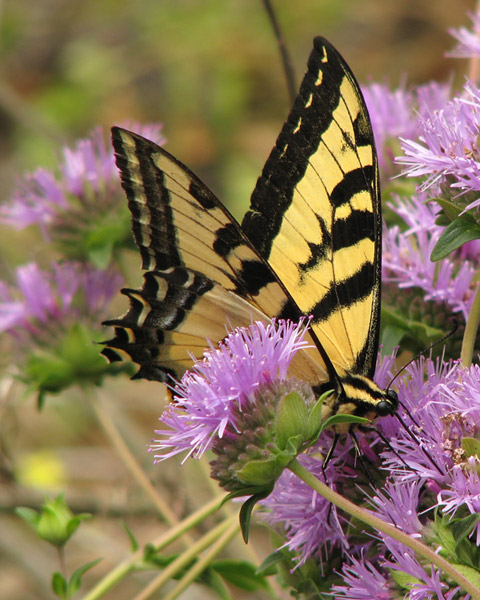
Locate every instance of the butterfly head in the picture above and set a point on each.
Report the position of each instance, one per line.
(360, 396)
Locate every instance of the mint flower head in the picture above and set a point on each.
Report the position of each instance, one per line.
(446, 149)
(81, 208)
(51, 318)
(468, 40)
(394, 115)
(240, 402)
(406, 261)
(445, 406)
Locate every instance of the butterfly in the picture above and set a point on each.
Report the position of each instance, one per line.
(310, 244)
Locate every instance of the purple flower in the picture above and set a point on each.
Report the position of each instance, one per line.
(391, 116)
(406, 257)
(363, 581)
(226, 378)
(469, 41)
(397, 503)
(83, 200)
(313, 527)
(447, 149)
(463, 491)
(394, 113)
(42, 300)
(444, 401)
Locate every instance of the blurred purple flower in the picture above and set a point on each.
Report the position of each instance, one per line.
(226, 377)
(447, 148)
(41, 300)
(394, 113)
(87, 173)
(406, 257)
(363, 581)
(391, 116)
(468, 40)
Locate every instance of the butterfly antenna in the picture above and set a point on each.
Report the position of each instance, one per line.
(422, 352)
(407, 411)
(287, 62)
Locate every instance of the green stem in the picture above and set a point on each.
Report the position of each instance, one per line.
(187, 557)
(370, 519)
(135, 559)
(470, 334)
(129, 460)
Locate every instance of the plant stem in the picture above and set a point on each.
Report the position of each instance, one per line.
(372, 520)
(129, 564)
(287, 62)
(130, 462)
(187, 557)
(473, 62)
(470, 333)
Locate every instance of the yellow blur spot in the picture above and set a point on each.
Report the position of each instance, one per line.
(42, 470)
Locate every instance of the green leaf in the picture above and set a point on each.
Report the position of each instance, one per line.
(391, 337)
(340, 418)
(263, 472)
(462, 230)
(443, 532)
(473, 575)
(269, 564)
(133, 540)
(314, 421)
(59, 585)
(404, 580)
(75, 582)
(418, 331)
(471, 446)
(241, 573)
(29, 515)
(450, 209)
(213, 580)
(246, 512)
(291, 421)
(462, 528)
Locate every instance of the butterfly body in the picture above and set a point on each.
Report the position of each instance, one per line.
(310, 245)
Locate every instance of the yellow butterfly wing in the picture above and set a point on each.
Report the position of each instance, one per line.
(310, 243)
(315, 212)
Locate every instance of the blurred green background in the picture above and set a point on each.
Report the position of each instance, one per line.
(209, 70)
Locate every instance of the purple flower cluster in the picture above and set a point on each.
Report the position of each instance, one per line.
(393, 114)
(227, 377)
(88, 176)
(42, 300)
(468, 41)
(447, 152)
(406, 256)
(52, 316)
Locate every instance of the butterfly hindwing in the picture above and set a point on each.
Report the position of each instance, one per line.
(315, 212)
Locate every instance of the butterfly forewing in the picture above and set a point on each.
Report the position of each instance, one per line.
(203, 274)
(315, 212)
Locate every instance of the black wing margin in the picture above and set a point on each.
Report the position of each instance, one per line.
(315, 213)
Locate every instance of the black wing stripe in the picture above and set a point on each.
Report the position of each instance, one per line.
(315, 212)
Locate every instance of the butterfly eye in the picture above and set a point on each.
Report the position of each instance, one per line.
(389, 405)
